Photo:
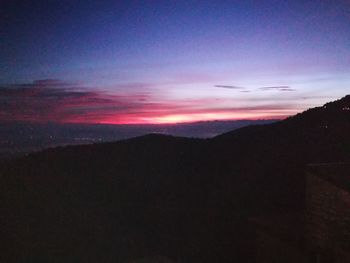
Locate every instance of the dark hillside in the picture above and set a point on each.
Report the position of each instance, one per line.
(273, 157)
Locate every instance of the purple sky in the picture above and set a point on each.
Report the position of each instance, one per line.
(170, 61)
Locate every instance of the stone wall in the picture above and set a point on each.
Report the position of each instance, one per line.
(326, 231)
(271, 249)
(327, 214)
(341, 256)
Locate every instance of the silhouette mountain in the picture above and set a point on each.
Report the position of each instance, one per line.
(185, 199)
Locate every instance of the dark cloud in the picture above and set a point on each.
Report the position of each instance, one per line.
(54, 100)
(50, 82)
(245, 90)
(228, 87)
(279, 88)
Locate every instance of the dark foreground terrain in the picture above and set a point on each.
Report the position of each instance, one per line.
(184, 199)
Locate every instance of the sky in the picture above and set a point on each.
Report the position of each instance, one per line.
(128, 62)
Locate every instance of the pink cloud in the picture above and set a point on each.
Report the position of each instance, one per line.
(57, 101)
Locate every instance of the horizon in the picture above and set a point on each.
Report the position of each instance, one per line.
(19, 138)
(122, 62)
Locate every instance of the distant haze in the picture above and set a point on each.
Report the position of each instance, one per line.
(19, 138)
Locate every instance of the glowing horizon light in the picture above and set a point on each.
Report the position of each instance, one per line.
(195, 117)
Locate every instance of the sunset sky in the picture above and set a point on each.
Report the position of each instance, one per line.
(170, 61)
